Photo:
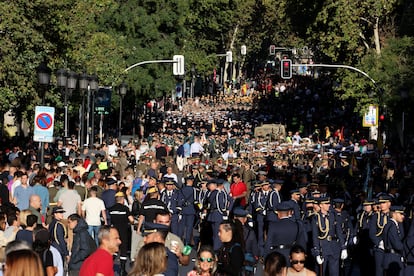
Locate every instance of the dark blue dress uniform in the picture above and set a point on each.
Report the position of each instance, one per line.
(297, 214)
(187, 196)
(409, 251)
(219, 203)
(393, 245)
(170, 198)
(260, 204)
(364, 246)
(328, 239)
(108, 197)
(284, 233)
(376, 231)
(274, 200)
(251, 249)
(344, 219)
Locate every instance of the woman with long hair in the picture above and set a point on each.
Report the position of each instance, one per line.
(275, 264)
(206, 263)
(151, 260)
(23, 263)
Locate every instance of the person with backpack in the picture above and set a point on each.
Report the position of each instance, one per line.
(83, 244)
(230, 255)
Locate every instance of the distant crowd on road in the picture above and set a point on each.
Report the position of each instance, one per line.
(329, 201)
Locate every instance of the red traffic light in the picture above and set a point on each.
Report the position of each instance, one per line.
(382, 117)
(286, 69)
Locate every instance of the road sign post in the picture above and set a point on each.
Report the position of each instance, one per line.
(43, 124)
(43, 128)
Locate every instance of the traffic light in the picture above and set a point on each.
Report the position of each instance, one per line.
(229, 56)
(286, 69)
(178, 65)
(272, 50)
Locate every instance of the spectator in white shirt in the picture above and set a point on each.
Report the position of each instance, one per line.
(196, 148)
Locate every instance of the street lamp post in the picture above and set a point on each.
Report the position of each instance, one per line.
(83, 86)
(193, 75)
(93, 84)
(66, 80)
(43, 77)
(61, 77)
(122, 92)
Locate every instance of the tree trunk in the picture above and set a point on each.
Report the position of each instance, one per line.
(233, 38)
(376, 37)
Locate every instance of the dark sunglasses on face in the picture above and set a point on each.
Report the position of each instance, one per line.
(206, 259)
(297, 262)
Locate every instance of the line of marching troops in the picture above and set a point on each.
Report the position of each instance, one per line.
(374, 243)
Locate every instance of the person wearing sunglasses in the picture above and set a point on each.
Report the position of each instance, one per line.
(205, 264)
(297, 262)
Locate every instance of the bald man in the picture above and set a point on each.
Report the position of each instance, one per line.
(35, 205)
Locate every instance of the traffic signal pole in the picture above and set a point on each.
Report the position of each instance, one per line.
(150, 62)
(340, 66)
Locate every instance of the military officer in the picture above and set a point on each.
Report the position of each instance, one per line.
(285, 232)
(294, 201)
(274, 199)
(344, 219)
(376, 231)
(328, 239)
(393, 242)
(260, 208)
(187, 196)
(169, 196)
(219, 203)
(365, 245)
(250, 241)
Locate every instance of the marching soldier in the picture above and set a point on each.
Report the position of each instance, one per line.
(285, 232)
(274, 200)
(187, 196)
(294, 201)
(393, 242)
(251, 252)
(260, 203)
(169, 196)
(344, 220)
(328, 239)
(365, 245)
(219, 204)
(376, 231)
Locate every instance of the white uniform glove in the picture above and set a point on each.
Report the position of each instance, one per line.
(344, 254)
(250, 223)
(319, 259)
(381, 245)
(355, 240)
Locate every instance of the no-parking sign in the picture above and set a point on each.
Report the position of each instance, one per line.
(43, 124)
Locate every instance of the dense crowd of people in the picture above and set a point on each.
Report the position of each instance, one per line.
(316, 197)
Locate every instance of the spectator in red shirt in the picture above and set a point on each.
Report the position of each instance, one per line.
(101, 262)
(238, 190)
